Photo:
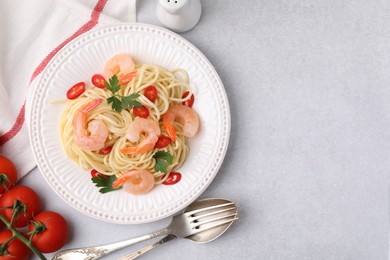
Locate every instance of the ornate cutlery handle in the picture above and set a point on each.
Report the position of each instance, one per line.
(91, 253)
(147, 248)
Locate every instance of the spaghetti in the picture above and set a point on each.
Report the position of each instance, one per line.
(171, 91)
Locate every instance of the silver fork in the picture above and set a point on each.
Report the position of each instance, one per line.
(198, 238)
(183, 225)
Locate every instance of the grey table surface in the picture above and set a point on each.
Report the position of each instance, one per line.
(309, 155)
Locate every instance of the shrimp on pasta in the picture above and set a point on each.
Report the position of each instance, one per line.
(134, 125)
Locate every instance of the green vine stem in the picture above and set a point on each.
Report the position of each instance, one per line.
(4, 180)
(16, 234)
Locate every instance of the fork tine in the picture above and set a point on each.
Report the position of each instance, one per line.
(203, 222)
(196, 211)
(215, 224)
(215, 212)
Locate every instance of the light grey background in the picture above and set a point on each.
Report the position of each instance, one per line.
(309, 157)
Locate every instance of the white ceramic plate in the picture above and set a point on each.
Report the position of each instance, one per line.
(85, 56)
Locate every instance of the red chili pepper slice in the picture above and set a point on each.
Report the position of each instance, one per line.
(76, 90)
(173, 178)
(163, 141)
(151, 93)
(95, 173)
(98, 81)
(141, 112)
(106, 150)
(190, 101)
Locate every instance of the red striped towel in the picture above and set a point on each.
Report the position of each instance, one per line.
(31, 33)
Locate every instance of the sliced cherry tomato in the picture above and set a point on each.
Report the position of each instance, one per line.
(106, 150)
(76, 90)
(98, 81)
(190, 101)
(24, 195)
(15, 249)
(163, 141)
(173, 178)
(8, 174)
(51, 231)
(150, 93)
(141, 112)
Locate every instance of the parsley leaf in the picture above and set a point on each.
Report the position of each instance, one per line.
(119, 102)
(113, 84)
(129, 102)
(104, 182)
(116, 104)
(163, 160)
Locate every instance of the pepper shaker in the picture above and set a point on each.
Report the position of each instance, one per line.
(179, 15)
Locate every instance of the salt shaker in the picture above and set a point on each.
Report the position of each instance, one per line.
(179, 15)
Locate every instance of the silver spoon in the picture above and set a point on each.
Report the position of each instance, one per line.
(183, 225)
(201, 237)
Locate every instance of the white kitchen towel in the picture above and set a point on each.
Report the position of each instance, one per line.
(31, 33)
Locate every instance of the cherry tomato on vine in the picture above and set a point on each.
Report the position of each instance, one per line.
(141, 112)
(163, 141)
(150, 93)
(51, 231)
(8, 174)
(190, 101)
(173, 178)
(24, 195)
(16, 249)
(76, 90)
(98, 81)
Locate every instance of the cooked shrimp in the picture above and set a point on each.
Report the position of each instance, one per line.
(138, 126)
(186, 115)
(135, 182)
(122, 65)
(97, 129)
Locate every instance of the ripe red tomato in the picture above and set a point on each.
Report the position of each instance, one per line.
(76, 90)
(190, 101)
(150, 93)
(52, 231)
(98, 81)
(24, 195)
(7, 168)
(141, 112)
(163, 141)
(173, 178)
(16, 249)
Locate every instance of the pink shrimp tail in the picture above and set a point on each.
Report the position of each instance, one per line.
(171, 131)
(91, 105)
(129, 150)
(118, 182)
(137, 149)
(127, 78)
